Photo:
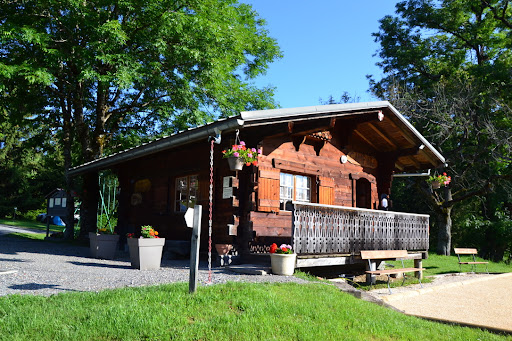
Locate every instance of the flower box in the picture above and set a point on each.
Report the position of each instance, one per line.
(146, 253)
(103, 245)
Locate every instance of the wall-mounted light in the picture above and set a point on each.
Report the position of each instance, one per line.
(343, 159)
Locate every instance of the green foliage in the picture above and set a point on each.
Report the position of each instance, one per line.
(447, 66)
(218, 312)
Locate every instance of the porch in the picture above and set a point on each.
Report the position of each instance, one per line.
(324, 235)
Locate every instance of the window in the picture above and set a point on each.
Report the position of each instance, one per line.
(293, 188)
(187, 188)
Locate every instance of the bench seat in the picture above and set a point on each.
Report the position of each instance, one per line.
(469, 252)
(379, 255)
(394, 271)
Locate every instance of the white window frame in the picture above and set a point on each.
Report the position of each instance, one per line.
(294, 186)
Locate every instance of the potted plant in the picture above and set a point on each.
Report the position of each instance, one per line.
(239, 155)
(282, 259)
(103, 243)
(146, 251)
(437, 181)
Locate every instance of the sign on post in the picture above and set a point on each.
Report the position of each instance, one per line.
(193, 219)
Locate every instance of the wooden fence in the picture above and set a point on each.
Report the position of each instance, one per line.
(327, 229)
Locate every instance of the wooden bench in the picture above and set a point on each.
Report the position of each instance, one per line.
(374, 256)
(472, 252)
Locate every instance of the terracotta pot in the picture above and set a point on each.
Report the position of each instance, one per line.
(283, 264)
(103, 245)
(223, 249)
(146, 253)
(235, 163)
(436, 184)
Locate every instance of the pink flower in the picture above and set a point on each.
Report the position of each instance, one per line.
(253, 150)
(236, 154)
(249, 155)
(242, 143)
(260, 151)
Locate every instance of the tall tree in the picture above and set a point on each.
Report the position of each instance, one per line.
(105, 68)
(447, 65)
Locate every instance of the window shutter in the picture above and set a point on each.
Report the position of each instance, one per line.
(326, 190)
(268, 189)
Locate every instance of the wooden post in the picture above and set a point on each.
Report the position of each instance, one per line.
(194, 249)
(418, 264)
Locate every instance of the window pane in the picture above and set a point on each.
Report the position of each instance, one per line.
(181, 194)
(303, 188)
(194, 186)
(286, 186)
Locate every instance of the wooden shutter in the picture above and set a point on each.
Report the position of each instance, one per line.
(326, 190)
(268, 189)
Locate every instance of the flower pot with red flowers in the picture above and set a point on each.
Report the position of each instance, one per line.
(239, 155)
(103, 244)
(146, 251)
(282, 259)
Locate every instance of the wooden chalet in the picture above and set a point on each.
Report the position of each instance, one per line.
(316, 186)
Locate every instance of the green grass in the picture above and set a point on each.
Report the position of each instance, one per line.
(30, 224)
(233, 311)
(436, 264)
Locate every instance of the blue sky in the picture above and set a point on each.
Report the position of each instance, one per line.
(327, 47)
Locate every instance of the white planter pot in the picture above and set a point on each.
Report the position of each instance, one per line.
(283, 264)
(103, 245)
(146, 253)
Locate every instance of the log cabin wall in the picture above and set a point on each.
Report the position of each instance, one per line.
(150, 193)
(332, 182)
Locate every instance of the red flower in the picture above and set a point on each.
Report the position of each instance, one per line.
(255, 162)
(273, 248)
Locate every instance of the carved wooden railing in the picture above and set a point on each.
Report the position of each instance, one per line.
(326, 229)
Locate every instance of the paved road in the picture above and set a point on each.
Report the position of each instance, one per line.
(485, 302)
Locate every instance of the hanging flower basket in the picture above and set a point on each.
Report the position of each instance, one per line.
(436, 181)
(235, 163)
(239, 154)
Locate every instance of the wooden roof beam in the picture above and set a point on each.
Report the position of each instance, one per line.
(400, 166)
(365, 139)
(383, 136)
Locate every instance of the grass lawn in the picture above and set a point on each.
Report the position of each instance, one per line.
(30, 224)
(233, 311)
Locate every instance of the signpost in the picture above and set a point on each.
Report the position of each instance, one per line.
(193, 220)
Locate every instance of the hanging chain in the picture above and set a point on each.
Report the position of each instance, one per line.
(210, 215)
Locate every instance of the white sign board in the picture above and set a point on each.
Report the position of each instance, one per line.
(227, 192)
(189, 217)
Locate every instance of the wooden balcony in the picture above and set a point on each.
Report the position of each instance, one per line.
(320, 232)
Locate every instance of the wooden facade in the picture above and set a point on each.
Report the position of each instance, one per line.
(341, 155)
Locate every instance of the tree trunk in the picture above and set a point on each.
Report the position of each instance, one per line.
(444, 234)
(89, 207)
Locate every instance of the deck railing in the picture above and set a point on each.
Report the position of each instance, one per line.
(327, 229)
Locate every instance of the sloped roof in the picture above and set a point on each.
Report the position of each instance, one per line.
(390, 134)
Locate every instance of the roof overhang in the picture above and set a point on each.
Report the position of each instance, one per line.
(248, 119)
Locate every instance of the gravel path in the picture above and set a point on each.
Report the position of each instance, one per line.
(47, 268)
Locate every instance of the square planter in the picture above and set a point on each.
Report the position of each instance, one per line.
(283, 264)
(146, 253)
(103, 245)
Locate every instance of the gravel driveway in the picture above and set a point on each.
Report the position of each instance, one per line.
(47, 268)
